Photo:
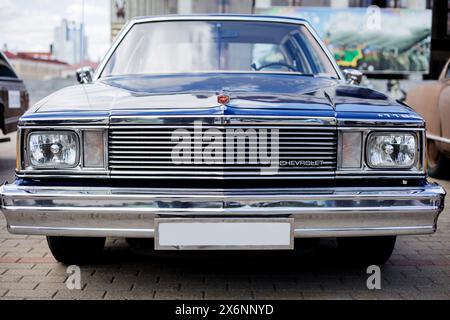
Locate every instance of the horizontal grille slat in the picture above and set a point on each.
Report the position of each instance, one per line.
(136, 159)
(117, 151)
(156, 143)
(171, 163)
(146, 152)
(291, 147)
(166, 132)
(210, 167)
(118, 139)
(240, 173)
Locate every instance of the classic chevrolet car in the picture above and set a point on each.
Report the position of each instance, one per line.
(432, 101)
(220, 132)
(13, 97)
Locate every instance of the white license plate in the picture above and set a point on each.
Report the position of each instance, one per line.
(224, 234)
(14, 99)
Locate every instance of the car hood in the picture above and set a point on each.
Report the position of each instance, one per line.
(250, 93)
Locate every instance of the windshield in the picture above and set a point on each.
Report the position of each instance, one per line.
(209, 46)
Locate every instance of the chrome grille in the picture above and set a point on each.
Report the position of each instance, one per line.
(141, 152)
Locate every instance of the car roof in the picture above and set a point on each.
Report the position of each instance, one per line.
(214, 16)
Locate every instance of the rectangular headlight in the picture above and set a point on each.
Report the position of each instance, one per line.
(391, 150)
(53, 150)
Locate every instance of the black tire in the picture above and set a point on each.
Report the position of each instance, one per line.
(438, 163)
(367, 250)
(76, 251)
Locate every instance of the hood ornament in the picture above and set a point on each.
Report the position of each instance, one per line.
(223, 99)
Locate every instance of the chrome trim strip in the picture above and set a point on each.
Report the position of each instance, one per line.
(63, 126)
(150, 233)
(217, 120)
(437, 138)
(73, 175)
(326, 175)
(362, 231)
(85, 232)
(139, 20)
(52, 120)
(208, 212)
(388, 126)
(219, 126)
(381, 122)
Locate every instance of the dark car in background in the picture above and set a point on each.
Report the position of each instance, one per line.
(14, 97)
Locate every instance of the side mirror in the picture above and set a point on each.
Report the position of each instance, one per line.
(353, 76)
(84, 75)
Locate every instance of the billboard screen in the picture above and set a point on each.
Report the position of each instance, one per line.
(373, 40)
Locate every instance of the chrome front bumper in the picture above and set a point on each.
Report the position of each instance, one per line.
(131, 212)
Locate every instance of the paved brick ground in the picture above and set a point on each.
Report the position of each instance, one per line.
(418, 269)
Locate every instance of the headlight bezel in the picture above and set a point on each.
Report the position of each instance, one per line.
(418, 170)
(32, 166)
(393, 167)
(25, 169)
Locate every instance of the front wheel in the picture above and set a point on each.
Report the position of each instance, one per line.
(76, 251)
(367, 250)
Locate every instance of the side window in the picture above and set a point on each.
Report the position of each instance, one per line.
(447, 75)
(6, 70)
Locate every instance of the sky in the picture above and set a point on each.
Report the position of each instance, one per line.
(27, 25)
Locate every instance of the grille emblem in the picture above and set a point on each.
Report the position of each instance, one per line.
(223, 99)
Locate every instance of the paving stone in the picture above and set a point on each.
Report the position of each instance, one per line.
(9, 279)
(130, 295)
(412, 295)
(108, 286)
(19, 293)
(327, 296)
(278, 295)
(47, 279)
(3, 292)
(178, 295)
(229, 295)
(79, 295)
(18, 266)
(375, 294)
(27, 272)
(19, 285)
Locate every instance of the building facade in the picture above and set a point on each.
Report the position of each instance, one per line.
(70, 42)
(123, 10)
(36, 65)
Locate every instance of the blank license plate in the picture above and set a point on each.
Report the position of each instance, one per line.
(224, 234)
